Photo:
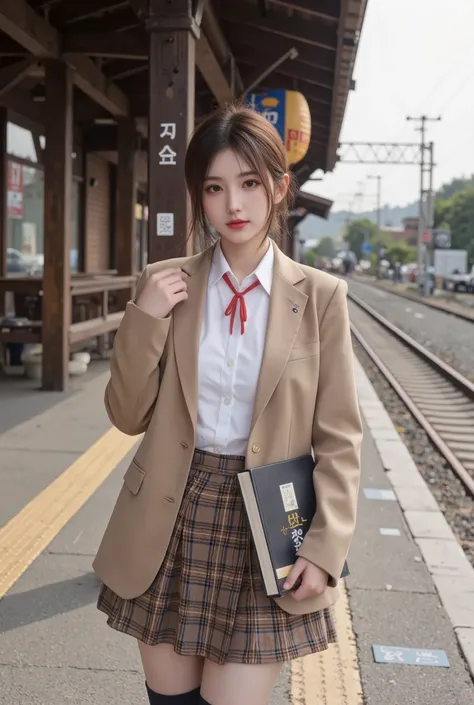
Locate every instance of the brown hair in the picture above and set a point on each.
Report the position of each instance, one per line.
(254, 139)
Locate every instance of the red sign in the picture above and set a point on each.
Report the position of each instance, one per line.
(15, 190)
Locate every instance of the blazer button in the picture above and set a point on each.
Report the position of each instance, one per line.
(256, 448)
(184, 444)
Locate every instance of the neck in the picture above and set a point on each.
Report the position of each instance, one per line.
(244, 259)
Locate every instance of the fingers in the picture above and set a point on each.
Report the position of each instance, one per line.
(178, 285)
(165, 273)
(308, 588)
(293, 576)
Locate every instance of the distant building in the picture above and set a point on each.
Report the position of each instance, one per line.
(408, 233)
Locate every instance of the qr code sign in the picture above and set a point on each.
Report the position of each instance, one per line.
(289, 497)
(165, 224)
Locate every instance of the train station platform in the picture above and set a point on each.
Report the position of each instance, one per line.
(61, 468)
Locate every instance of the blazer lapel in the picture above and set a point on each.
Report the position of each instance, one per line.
(187, 322)
(287, 305)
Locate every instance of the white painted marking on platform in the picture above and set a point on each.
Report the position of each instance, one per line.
(384, 495)
(390, 532)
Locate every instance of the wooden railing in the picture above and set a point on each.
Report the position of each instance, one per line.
(96, 290)
(105, 322)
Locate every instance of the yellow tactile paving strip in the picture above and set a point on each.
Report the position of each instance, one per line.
(331, 677)
(25, 536)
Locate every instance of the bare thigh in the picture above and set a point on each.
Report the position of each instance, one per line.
(167, 672)
(237, 683)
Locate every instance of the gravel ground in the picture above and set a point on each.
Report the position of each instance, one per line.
(456, 505)
(450, 338)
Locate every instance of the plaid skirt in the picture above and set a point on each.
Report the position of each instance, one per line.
(208, 598)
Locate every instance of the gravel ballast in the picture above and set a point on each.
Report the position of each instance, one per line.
(449, 492)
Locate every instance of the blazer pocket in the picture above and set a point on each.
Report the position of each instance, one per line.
(134, 477)
(304, 351)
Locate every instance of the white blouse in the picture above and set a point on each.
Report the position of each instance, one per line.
(229, 365)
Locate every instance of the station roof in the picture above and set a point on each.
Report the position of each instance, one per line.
(106, 42)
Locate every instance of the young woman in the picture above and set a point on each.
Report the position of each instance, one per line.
(234, 358)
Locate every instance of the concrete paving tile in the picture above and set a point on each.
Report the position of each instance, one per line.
(444, 557)
(466, 642)
(457, 596)
(70, 686)
(83, 533)
(429, 525)
(395, 455)
(380, 421)
(24, 474)
(82, 419)
(411, 620)
(42, 686)
(384, 434)
(53, 622)
(406, 478)
(416, 499)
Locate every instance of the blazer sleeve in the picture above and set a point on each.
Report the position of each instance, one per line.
(337, 438)
(133, 386)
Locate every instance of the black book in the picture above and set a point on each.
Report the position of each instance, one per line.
(280, 503)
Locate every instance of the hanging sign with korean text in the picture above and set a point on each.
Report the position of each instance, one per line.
(289, 113)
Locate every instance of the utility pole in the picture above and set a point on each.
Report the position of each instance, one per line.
(379, 216)
(426, 202)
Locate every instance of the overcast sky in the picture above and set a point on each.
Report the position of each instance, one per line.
(415, 57)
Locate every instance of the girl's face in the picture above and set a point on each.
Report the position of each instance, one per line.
(234, 199)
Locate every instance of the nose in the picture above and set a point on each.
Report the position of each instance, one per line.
(234, 203)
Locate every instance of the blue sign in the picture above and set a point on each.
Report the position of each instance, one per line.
(367, 248)
(272, 105)
(410, 657)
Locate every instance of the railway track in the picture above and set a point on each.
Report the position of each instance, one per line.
(441, 399)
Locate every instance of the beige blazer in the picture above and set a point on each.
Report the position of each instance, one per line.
(306, 399)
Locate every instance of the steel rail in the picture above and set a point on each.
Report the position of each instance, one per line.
(444, 370)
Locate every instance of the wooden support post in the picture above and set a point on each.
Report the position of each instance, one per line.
(3, 202)
(171, 121)
(125, 206)
(57, 223)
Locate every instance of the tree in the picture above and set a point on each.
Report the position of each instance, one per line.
(358, 232)
(457, 214)
(310, 258)
(401, 252)
(326, 247)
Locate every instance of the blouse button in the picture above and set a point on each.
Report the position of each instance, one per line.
(256, 448)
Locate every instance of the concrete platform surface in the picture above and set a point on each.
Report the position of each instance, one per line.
(55, 647)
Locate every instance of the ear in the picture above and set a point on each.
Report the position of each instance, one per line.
(281, 188)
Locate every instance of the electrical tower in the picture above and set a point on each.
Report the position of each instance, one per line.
(403, 153)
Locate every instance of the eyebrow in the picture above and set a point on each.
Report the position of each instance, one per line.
(242, 174)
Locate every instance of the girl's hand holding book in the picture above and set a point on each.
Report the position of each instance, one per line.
(311, 580)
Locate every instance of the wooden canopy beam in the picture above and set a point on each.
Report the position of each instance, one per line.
(20, 22)
(97, 86)
(298, 30)
(12, 75)
(212, 72)
(291, 69)
(326, 9)
(250, 41)
(109, 45)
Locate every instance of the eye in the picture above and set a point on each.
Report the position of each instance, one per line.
(213, 188)
(251, 183)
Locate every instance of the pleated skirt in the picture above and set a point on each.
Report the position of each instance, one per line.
(208, 598)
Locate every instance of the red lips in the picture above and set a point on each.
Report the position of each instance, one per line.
(237, 224)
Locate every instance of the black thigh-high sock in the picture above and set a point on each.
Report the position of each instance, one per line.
(191, 698)
(202, 701)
